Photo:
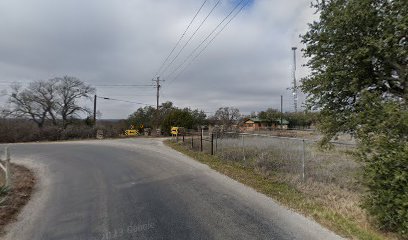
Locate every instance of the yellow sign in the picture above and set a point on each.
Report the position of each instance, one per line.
(174, 130)
(131, 132)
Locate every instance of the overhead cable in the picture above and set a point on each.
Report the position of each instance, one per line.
(191, 37)
(209, 35)
(181, 37)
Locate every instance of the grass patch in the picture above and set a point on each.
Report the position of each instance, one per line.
(13, 199)
(3, 195)
(286, 194)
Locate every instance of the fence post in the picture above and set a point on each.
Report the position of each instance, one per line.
(192, 141)
(243, 147)
(183, 137)
(212, 143)
(7, 158)
(177, 138)
(201, 141)
(303, 160)
(216, 142)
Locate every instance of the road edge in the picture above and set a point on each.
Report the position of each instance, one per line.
(35, 205)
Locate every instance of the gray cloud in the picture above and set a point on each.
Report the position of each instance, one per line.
(124, 42)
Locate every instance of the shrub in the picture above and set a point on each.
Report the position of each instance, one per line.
(384, 152)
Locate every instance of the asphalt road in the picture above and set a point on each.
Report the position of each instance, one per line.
(141, 189)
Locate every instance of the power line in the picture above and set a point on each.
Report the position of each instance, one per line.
(206, 38)
(96, 85)
(182, 36)
(191, 37)
(133, 95)
(120, 100)
(206, 46)
(124, 86)
(209, 42)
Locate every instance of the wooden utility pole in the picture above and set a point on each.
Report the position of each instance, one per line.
(281, 115)
(94, 113)
(158, 86)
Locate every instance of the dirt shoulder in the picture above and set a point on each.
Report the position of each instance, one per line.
(23, 181)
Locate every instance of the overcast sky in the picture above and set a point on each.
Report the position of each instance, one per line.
(247, 66)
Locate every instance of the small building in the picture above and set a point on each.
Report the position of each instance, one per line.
(254, 124)
(277, 124)
(257, 124)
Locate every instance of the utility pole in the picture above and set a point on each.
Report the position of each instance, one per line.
(158, 86)
(295, 95)
(281, 115)
(94, 113)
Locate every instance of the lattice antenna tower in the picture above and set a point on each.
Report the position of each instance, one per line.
(294, 89)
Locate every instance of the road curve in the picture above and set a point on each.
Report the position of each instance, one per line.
(141, 189)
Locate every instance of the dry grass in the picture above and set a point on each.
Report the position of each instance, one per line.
(23, 182)
(332, 177)
(2, 178)
(328, 204)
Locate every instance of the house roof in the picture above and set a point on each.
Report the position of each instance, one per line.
(260, 120)
(256, 120)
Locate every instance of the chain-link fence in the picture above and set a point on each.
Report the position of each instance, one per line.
(289, 159)
(292, 158)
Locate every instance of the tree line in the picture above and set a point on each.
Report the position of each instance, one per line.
(229, 118)
(55, 110)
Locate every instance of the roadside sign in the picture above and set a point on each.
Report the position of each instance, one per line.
(174, 131)
(131, 132)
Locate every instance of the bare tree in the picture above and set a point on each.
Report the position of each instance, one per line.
(70, 91)
(55, 99)
(37, 101)
(227, 116)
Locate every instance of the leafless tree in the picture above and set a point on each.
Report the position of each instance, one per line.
(227, 116)
(55, 99)
(70, 91)
(37, 101)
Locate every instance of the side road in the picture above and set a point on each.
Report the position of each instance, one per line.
(141, 189)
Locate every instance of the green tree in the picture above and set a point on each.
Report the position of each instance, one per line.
(300, 119)
(183, 118)
(143, 115)
(270, 114)
(167, 116)
(357, 52)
